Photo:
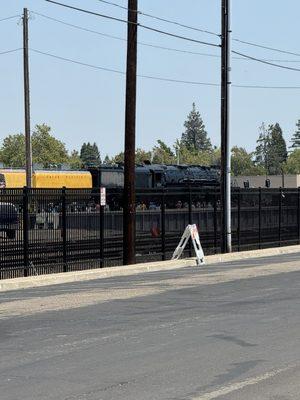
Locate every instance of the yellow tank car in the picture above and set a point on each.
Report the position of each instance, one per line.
(59, 179)
(14, 178)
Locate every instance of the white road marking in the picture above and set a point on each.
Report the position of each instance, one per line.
(240, 385)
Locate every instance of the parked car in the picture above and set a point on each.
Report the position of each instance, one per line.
(8, 219)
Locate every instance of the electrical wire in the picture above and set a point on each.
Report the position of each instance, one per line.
(10, 51)
(12, 17)
(122, 72)
(133, 23)
(161, 19)
(148, 44)
(125, 40)
(266, 47)
(161, 78)
(266, 62)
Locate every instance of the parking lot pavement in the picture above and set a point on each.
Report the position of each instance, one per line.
(224, 331)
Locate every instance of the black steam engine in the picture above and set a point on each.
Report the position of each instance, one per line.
(156, 176)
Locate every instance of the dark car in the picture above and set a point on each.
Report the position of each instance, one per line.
(8, 219)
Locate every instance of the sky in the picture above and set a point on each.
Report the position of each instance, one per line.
(84, 104)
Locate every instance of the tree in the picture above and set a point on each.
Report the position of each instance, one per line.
(142, 156)
(46, 149)
(277, 151)
(90, 154)
(261, 151)
(184, 155)
(75, 161)
(242, 163)
(195, 135)
(107, 160)
(296, 137)
(271, 151)
(12, 153)
(162, 154)
(292, 165)
(118, 158)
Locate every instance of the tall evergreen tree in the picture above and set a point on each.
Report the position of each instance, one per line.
(295, 140)
(261, 151)
(107, 160)
(277, 151)
(195, 135)
(90, 154)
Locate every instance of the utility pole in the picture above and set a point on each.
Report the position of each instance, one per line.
(130, 125)
(28, 151)
(225, 124)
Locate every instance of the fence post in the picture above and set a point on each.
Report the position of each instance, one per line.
(25, 231)
(190, 219)
(239, 220)
(215, 221)
(64, 229)
(259, 218)
(101, 235)
(279, 217)
(298, 214)
(163, 225)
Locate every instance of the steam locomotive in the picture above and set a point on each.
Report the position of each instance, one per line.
(155, 176)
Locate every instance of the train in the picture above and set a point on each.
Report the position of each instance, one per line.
(147, 176)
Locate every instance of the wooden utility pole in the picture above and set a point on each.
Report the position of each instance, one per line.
(130, 124)
(225, 125)
(28, 150)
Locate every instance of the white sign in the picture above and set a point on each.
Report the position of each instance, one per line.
(103, 196)
(191, 231)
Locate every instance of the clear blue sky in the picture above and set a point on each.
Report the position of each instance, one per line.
(82, 104)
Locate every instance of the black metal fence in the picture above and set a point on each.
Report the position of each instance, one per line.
(49, 231)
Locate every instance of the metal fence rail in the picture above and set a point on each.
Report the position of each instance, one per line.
(46, 231)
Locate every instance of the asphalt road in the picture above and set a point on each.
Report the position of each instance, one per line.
(225, 332)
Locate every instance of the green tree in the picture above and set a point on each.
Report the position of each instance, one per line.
(90, 154)
(107, 160)
(75, 161)
(194, 137)
(118, 158)
(142, 156)
(295, 140)
(277, 151)
(162, 154)
(185, 155)
(242, 163)
(12, 153)
(46, 149)
(292, 165)
(262, 146)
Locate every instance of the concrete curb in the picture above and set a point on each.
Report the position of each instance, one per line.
(87, 275)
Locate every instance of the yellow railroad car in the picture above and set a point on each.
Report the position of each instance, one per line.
(59, 179)
(14, 178)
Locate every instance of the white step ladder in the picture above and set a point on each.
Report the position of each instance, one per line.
(191, 231)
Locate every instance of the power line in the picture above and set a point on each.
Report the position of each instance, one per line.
(266, 47)
(266, 62)
(10, 51)
(266, 87)
(122, 72)
(161, 19)
(84, 29)
(123, 39)
(160, 78)
(140, 25)
(12, 17)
